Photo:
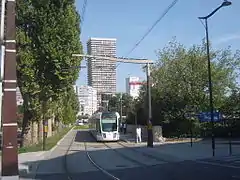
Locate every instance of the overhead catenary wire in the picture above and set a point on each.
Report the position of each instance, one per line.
(83, 11)
(151, 28)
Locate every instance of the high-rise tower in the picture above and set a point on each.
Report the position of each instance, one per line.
(102, 72)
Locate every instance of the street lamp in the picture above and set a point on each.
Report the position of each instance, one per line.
(225, 3)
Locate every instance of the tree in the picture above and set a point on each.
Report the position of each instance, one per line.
(48, 33)
(115, 103)
(72, 106)
(231, 112)
(181, 79)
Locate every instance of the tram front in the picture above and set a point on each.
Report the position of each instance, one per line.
(110, 126)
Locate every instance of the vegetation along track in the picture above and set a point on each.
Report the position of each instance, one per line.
(98, 166)
(143, 153)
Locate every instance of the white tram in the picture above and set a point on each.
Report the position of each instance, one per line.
(104, 126)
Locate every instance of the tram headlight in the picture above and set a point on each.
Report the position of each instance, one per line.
(104, 135)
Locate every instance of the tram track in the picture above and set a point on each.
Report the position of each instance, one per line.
(96, 165)
(125, 156)
(122, 155)
(143, 153)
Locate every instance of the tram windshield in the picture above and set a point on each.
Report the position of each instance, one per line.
(109, 122)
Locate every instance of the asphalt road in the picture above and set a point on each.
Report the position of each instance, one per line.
(172, 171)
(77, 166)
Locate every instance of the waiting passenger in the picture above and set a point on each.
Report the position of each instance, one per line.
(138, 133)
(125, 128)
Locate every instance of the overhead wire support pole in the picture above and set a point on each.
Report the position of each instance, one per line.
(10, 145)
(2, 56)
(117, 59)
(149, 97)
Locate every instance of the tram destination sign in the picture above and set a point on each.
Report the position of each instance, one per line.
(108, 120)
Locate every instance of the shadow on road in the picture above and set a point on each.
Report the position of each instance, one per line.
(84, 136)
(172, 167)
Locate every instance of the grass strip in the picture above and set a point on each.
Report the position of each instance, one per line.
(50, 142)
(86, 126)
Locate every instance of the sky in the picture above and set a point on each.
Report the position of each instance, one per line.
(129, 20)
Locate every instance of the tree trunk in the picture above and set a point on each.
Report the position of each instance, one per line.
(26, 130)
(40, 130)
(34, 132)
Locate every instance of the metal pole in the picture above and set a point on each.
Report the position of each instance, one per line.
(10, 146)
(92, 101)
(149, 122)
(210, 88)
(121, 108)
(230, 140)
(191, 131)
(136, 125)
(45, 123)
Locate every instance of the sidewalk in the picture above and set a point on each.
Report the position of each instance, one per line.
(172, 151)
(130, 138)
(27, 163)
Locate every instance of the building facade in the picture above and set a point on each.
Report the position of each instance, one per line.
(101, 72)
(133, 85)
(87, 97)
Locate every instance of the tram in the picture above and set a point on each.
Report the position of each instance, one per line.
(104, 126)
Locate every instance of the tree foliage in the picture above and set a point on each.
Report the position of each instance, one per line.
(127, 103)
(48, 33)
(180, 79)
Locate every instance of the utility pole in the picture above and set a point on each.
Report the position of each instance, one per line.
(149, 96)
(121, 108)
(9, 145)
(92, 102)
(2, 55)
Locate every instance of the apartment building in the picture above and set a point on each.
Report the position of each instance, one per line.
(87, 97)
(101, 72)
(133, 85)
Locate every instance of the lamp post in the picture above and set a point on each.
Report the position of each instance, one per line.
(205, 18)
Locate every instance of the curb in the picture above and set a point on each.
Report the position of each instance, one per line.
(34, 166)
(53, 148)
(124, 140)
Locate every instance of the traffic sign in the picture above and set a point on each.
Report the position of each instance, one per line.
(206, 116)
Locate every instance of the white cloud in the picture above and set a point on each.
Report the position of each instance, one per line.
(227, 38)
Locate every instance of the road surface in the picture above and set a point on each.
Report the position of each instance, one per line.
(79, 157)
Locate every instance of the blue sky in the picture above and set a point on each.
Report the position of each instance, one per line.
(128, 20)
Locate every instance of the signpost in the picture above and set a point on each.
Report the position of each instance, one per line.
(190, 114)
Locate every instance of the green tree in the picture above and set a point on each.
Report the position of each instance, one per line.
(181, 79)
(231, 112)
(48, 33)
(115, 103)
